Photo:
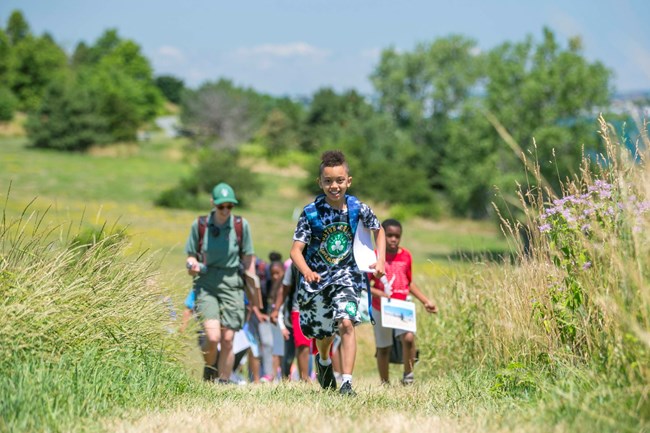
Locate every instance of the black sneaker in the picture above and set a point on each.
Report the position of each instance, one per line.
(346, 389)
(325, 375)
(210, 373)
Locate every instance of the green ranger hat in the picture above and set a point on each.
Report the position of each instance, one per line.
(223, 193)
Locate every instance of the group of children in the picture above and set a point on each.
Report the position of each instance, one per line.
(321, 289)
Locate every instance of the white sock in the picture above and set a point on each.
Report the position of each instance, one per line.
(347, 378)
(324, 362)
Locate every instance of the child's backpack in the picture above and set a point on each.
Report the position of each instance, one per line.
(203, 224)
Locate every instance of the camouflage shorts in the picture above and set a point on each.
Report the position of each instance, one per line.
(321, 312)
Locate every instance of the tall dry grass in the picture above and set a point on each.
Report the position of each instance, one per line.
(570, 317)
(83, 330)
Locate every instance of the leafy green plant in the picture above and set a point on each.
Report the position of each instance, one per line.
(8, 104)
(68, 118)
(515, 379)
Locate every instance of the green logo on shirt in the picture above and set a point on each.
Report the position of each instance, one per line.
(336, 244)
(351, 308)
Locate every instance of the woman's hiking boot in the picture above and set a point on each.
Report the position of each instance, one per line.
(210, 373)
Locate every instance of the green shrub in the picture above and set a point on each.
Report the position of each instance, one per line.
(8, 104)
(214, 166)
(68, 119)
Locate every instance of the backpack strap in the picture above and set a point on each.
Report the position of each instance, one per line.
(354, 210)
(316, 225)
(202, 223)
(239, 231)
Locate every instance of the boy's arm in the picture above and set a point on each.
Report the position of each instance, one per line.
(299, 260)
(429, 306)
(375, 291)
(380, 242)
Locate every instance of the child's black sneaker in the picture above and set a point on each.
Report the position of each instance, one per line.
(346, 389)
(325, 375)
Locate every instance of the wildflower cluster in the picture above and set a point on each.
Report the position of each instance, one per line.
(599, 207)
(573, 224)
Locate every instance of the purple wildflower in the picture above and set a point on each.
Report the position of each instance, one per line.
(586, 266)
(545, 228)
(643, 206)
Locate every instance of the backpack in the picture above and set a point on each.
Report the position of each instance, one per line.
(203, 224)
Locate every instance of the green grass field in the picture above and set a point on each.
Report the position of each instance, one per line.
(88, 346)
(119, 186)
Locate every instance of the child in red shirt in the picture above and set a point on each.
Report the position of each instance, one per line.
(397, 284)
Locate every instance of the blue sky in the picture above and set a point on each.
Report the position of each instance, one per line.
(293, 47)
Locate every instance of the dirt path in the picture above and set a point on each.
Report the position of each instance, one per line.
(238, 417)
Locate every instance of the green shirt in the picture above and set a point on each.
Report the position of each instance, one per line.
(221, 252)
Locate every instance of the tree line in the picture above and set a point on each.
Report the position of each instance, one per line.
(445, 127)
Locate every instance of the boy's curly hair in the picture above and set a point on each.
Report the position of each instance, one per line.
(333, 158)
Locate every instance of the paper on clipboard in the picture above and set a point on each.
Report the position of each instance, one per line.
(364, 253)
(398, 314)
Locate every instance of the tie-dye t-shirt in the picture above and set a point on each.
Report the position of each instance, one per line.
(334, 260)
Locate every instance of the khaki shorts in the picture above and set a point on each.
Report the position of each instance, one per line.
(384, 336)
(226, 306)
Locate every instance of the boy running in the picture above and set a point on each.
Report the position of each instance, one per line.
(331, 283)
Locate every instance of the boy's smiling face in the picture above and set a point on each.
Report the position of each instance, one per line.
(334, 181)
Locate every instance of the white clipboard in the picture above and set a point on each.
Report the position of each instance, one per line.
(398, 314)
(364, 253)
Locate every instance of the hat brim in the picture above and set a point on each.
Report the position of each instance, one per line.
(222, 200)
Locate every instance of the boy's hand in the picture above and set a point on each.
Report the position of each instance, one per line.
(285, 333)
(311, 276)
(379, 269)
(274, 316)
(430, 307)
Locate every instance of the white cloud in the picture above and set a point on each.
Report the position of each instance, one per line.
(171, 54)
(294, 50)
